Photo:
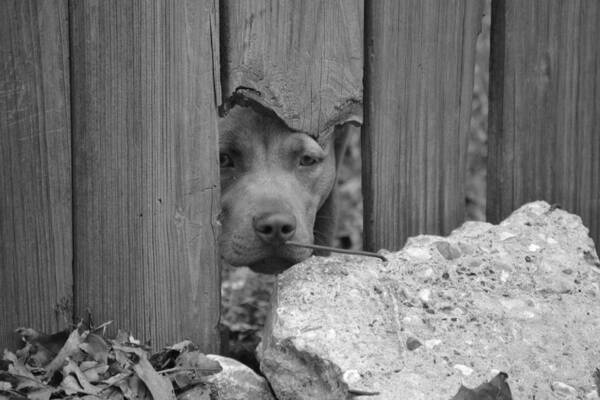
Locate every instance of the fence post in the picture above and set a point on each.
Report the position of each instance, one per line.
(35, 168)
(303, 57)
(544, 140)
(146, 191)
(419, 63)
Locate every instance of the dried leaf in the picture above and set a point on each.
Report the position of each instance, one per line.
(134, 389)
(183, 379)
(93, 371)
(117, 378)
(8, 381)
(164, 359)
(72, 369)
(111, 385)
(27, 383)
(190, 368)
(70, 348)
(94, 368)
(18, 375)
(11, 395)
(122, 337)
(196, 393)
(52, 343)
(18, 368)
(184, 346)
(42, 394)
(28, 334)
(4, 365)
(70, 385)
(112, 394)
(159, 386)
(496, 389)
(197, 361)
(40, 348)
(96, 347)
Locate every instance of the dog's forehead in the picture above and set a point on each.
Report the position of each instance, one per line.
(243, 124)
(245, 121)
(299, 141)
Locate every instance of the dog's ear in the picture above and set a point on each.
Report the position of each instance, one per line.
(325, 222)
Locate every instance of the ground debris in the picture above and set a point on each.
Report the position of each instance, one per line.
(496, 389)
(83, 364)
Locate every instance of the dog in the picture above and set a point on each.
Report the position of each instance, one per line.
(277, 184)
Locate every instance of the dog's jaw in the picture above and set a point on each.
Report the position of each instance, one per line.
(272, 265)
(239, 246)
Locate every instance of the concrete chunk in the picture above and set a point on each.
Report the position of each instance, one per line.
(527, 304)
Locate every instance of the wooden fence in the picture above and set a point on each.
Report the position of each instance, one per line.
(108, 121)
(109, 166)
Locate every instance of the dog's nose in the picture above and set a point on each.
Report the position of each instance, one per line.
(274, 228)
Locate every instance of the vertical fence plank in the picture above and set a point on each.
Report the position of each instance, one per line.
(544, 141)
(304, 57)
(35, 167)
(419, 67)
(146, 194)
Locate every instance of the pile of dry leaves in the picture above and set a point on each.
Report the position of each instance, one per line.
(85, 364)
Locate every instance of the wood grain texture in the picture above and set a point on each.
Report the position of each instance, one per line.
(544, 126)
(419, 63)
(35, 167)
(304, 57)
(146, 194)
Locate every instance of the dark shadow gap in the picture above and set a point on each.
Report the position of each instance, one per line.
(478, 132)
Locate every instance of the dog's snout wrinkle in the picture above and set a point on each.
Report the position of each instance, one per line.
(274, 228)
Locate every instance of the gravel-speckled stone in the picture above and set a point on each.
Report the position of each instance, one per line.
(498, 299)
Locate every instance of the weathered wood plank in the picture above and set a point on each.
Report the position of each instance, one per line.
(418, 88)
(304, 57)
(544, 135)
(146, 193)
(35, 167)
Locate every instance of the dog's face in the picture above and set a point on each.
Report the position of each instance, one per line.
(273, 182)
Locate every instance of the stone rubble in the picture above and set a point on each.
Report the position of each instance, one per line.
(238, 382)
(521, 297)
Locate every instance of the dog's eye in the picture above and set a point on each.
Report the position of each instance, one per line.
(225, 160)
(307, 161)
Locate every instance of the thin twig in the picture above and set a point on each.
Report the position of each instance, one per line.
(117, 381)
(102, 326)
(335, 250)
(175, 369)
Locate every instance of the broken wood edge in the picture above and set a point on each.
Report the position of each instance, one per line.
(350, 112)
